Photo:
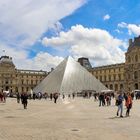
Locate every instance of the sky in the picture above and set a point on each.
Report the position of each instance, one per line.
(39, 34)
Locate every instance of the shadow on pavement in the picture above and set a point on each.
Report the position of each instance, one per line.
(116, 117)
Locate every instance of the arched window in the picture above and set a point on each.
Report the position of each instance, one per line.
(22, 89)
(106, 86)
(136, 58)
(129, 59)
(105, 78)
(116, 87)
(136, 85)
(129, 76)
(16, 89)
(135, 75)
(114, 77)
(109, 77)
(111, 86)
(100, 78)
(119, 76)
(27, 89)
(121, 86)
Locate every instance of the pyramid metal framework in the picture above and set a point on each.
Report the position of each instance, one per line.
(69, 77)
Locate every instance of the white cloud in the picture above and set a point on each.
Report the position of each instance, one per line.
(16, 53)
(132, 28)
(106, 17)
(122, 25)
(118, 31)
(135, 29)
(96, 44)
(42, 61)
(22, 22)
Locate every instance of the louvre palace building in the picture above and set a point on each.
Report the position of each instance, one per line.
(123, 76)
(18, 80)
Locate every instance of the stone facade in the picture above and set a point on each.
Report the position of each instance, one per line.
(132, 65)
(112, 76)
(124, 76)
(17, 80)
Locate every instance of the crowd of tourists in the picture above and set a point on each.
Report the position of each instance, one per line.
(120, 97)
(24, 97)
(104, 99)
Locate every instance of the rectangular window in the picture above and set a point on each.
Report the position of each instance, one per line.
(104, 78)
(100, 78)
(119, 76)
(22, 89)
(27, 89)
(114, 77)
(109, 77)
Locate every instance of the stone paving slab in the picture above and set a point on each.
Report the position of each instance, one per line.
(78, 119)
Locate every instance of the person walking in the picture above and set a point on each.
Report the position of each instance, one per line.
(45, 95)
(34, 96)
(51, 96)
(18, 97)
(24, 98)
(55, 96)
(101, 99)
(63, 96)
(108, 100)
(4, 97)
(1, 97)
(120, 104)
(73, 95)
(128, 104)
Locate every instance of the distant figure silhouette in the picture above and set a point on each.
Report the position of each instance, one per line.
(18, 97)
(24, 98)
(55, 96)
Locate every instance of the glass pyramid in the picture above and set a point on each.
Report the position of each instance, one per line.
(69, 77)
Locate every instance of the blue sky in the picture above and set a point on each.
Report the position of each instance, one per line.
(41, 34)
(91, 15)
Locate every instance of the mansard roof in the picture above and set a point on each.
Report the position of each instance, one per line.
(6, 61)
(135, 43)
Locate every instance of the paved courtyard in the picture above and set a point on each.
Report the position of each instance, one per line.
(78, 119)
